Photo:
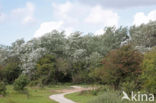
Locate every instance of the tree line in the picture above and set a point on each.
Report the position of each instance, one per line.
(124, 58)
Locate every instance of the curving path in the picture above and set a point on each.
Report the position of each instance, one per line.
(60, 97)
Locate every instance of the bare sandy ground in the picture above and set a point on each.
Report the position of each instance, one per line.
(60, 97)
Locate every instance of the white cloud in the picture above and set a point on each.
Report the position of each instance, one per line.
(74, 16)
(98, 15)
(119, 3)
(141, 17)
(99, 32)
(26, 14)
(62, 9)
(47, 27)
(28, 20)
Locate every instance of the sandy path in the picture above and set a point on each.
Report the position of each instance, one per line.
(60, 97)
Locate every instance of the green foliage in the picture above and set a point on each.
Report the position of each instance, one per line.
(2, 88)
(21, 82)
(107, 97)
(113, 38)
(54, 58)
(12, 71)
(129, 86)
(46, 69)
(144, 35)
(2, 75)
(81, 77)
(37, 95)
(149, 71)
(119, 66)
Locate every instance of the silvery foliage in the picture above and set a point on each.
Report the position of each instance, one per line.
(4, 52)
(32, 53)
(79, 55)
(16, 48)
(54, 41)
(143, 49)
(87, 48)
(36, 48)
(144, 35)
(74, 46)
(95, 58)
(112, 39)
(28, 53)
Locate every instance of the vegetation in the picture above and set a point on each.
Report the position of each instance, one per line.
(120, 66)
(20, 83)
(2, 88)
(39, 95)
(104, 94)
(149, 71)
(144, 35)
(122, 58)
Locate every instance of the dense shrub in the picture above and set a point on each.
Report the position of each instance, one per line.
(143, 35)
(129, 86)
(46, 69)
(119, 66)
(2, 75)
(149, 71)
(2, 88)
(12, 71)
(81, 77)
(21, 82)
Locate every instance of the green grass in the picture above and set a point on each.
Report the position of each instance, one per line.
(77, 97)
(102, 95)
(36, 95)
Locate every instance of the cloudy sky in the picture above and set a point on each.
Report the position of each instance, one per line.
(32, 18)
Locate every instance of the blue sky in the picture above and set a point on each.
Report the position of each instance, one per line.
(32, 18)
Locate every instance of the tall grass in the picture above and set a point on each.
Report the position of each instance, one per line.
(112, 97)
(107, 97)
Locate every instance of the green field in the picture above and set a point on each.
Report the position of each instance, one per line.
(80, 98)
(99, 97)
(35, 95)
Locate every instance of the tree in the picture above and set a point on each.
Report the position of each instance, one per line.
(46, 69)
(111, 39)
(21, 82)
(11, 69)
(143, 35)
(1, 73)
(2, 88)
(149, 71)
(119, 66)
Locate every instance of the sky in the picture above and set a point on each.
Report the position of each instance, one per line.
(29, 19)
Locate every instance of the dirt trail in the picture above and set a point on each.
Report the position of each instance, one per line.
(60, 97)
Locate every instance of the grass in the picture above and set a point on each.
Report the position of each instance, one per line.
(111, 97)
(41, 95)
(101, 95)
(77, 97)
(36, 95)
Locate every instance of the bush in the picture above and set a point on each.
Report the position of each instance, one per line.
(107, 97)
(81, 77)
(128, 86)
(149, 71)
(2, 88)
(21, 82)
(46, 70)
(96, 90)
(119, 66)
